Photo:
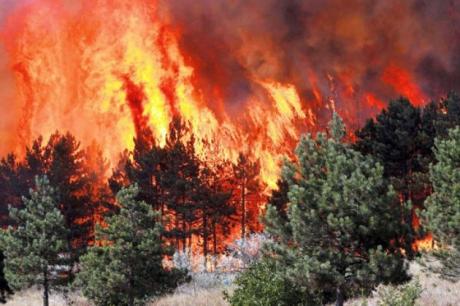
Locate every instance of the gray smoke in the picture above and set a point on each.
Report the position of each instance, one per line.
(231, 42)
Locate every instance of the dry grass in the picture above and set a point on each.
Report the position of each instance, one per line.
(437, 292)
(33, 297)
(201, 297)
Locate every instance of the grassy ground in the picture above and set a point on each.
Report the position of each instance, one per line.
(206, 290)
(201, 297)
(436, 291)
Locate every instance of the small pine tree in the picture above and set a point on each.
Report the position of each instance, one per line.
(343, 222)
(442, 213)
(33, 246)
(126, 267)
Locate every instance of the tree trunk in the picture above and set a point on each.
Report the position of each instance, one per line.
(176, 231)
(339, 297)
(131, 288)
(214, 237)
(45, 288)
(243, 209)
(184, 236)
(189, 236)
(205, 240)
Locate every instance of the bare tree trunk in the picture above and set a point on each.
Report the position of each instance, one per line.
(214, 237)
(243, 210)
(184, 236)
(45, 288)
(176, 230)
(205, 240)
(339, 297)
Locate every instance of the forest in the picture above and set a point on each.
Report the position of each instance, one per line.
(351, 210)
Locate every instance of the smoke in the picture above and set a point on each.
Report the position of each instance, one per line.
(250, 75)
(233, 43)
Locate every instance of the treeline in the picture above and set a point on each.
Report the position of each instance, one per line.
(200, 200)
(204, 198)
(347, 217)
(343, 219)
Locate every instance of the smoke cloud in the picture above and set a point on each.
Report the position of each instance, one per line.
(247, 73)
(231, 43)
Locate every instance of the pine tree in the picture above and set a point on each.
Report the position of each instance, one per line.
(63, 162)
(341, 236)
(246, 176)
(398, 139)
(126, 267)
(392, 138)
(12, 186)
(96, 188)
(448, 114)
(168, 179)
(279, 198)
(181, 180)
(215, 209)
(33, 247)
(442, 213)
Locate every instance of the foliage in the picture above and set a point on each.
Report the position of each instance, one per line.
(126, 267)
(279, 198)
(5, 290)
(401, 138)
(343, 222)
(77, 177)
(190, 193)
(33, 247)
(392, 138)
(262, 284)
(403, 295)
(442, 213)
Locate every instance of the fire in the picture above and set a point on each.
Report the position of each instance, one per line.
(402, 82)
(424, 244)
(106, 71)
(103, 69)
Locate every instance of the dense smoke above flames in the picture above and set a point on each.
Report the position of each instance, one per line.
(249, 75)
(360, 43)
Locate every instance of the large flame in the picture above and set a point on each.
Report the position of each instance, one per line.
(103, 69)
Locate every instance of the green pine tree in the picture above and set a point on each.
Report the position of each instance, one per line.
(32, 248)
(442, 213)
(126, 267)
(343, 223)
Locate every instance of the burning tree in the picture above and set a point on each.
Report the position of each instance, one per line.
(246, 177)
(342, 231)
(192, 194)
(216, 210)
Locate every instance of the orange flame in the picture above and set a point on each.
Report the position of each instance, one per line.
(103, 69)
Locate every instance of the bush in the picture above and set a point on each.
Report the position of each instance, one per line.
(259, 285)
(404, 295)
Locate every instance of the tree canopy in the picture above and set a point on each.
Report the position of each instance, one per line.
(442, 214)
(34, 247)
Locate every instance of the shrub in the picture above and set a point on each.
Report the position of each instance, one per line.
(404, 295)
(260, 285)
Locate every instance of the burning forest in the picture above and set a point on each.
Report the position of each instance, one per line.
(215, 115)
